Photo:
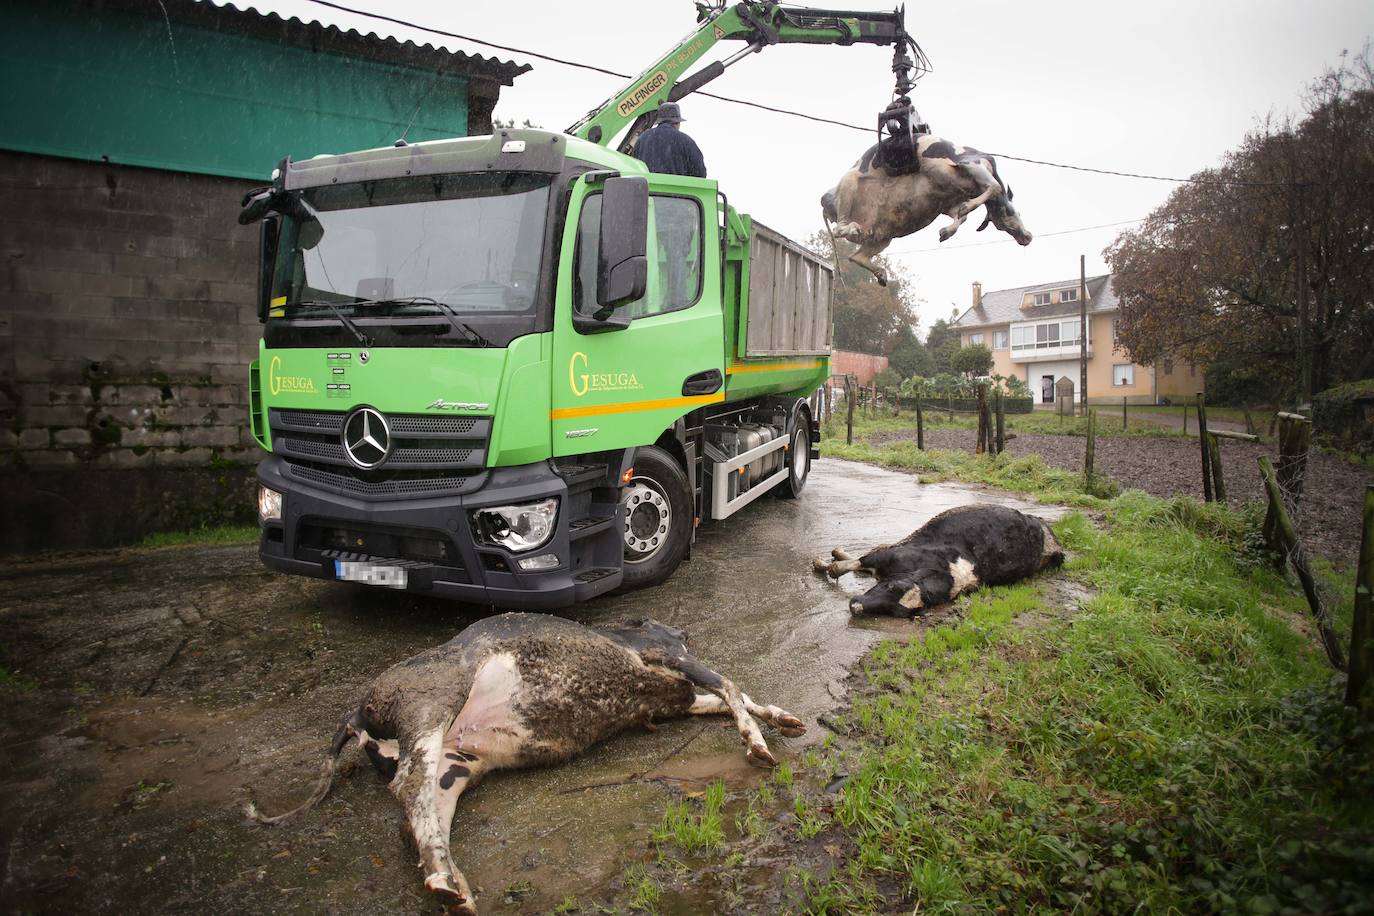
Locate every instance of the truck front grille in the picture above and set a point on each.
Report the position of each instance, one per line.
(311, 442)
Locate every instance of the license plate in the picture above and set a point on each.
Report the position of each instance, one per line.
(370, 574)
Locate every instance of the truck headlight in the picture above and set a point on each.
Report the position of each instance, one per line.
(516, 528)
(269, 505)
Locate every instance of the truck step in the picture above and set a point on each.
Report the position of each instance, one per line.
(579, 475)
(586, 527)
(596, 572)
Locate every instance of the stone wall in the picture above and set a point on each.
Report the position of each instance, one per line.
(127, 322)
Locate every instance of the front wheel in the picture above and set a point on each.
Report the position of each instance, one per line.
(798, 459)
(658, 518)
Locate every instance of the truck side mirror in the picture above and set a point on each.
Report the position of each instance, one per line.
(622, 269)
(267, 256)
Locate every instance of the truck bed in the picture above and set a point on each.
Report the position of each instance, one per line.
(788, 312)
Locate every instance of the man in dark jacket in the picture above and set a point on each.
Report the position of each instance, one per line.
(664, 148)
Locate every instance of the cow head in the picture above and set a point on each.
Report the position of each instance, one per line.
(1003, 215)
(906, 596)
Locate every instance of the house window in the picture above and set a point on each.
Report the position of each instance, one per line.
(1116, 330)
(999, 340)
(1047, 335)
(1123, 374)
(1022, 338)
(1068, 333)
(1042, 298)
(1167, 364)
(1068, 295)
(975, 340)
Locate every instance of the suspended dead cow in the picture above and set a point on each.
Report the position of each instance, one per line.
(872, 205)
(516, 691)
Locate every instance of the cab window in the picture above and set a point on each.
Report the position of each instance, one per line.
(674, 250)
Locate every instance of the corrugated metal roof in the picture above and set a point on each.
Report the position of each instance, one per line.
(317, 36)
(1003, 306)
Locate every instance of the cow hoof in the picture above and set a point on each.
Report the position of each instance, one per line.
(760, 756)
(450, 898)
(882, 278)
(789, 726)
(855, 607)
(821, 566)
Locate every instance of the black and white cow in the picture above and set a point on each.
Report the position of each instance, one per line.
(516, 691)
(872, 206)
(952, 554)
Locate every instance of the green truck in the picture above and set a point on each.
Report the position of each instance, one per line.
(520, 369)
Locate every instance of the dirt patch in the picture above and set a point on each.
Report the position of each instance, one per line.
(1329, 520)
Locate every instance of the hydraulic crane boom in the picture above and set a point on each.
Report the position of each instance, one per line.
(759, 23)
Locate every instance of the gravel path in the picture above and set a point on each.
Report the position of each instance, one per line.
(1332, 497)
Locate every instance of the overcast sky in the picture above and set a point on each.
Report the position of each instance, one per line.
(1163, 88)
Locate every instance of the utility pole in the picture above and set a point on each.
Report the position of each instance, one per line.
(1083, 333)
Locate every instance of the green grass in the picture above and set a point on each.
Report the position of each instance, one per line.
(222, 534)
(1174, 747)
(691, 831)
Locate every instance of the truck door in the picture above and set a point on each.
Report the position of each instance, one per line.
(621, 388)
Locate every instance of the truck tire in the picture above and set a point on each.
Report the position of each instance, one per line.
(798, 458)
(658, 519)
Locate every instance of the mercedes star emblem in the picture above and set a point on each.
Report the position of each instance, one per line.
(366, 438)
(364, 356)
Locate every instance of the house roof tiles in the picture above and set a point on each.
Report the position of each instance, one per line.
(1003, 306)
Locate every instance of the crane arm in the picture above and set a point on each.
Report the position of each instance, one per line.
(759, 23)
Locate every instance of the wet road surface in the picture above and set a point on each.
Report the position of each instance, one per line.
(150, 686)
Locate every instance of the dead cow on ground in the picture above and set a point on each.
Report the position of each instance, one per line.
(516, 691)
(872, 206)
(950, 555)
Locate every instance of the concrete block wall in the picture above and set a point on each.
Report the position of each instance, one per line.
(127, 319)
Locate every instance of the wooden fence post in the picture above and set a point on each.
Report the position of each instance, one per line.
(1214, 456)
(981, 446)
(1088, 455)
(1361, 647)
(1295, 438)
(850, 395)
(1001, 424)
(1185, 419)
(920, 426)
(1206, 455)
(1295, 553)
(1123, 414)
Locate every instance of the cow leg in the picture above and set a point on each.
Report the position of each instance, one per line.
(788, 725)
(725, 689)
(850, 231)
(429, 804)
(961, 212)
(837, 568)
(868, 250)
(839, 553)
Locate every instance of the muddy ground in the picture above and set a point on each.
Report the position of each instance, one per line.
(148, 687)
(1329, 519)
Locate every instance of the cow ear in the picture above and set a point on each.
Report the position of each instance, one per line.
(1011, 195)
(986, 220)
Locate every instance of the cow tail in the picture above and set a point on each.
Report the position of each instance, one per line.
(347, 729)
(827, 204)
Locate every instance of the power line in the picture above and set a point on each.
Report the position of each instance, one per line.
(1043, 235)
(784, 111)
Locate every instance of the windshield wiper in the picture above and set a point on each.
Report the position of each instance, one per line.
(461, 326)
(343, 319)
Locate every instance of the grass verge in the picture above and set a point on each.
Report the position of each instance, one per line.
(223, 534)
(1171, 743)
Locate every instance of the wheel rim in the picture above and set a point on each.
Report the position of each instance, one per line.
(648, 519)
(801, 457)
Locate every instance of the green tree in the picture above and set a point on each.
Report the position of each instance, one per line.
(941, 343)
(868, 317)
(909, 356)
(1266, 259)
(973, 361)
(887, 381)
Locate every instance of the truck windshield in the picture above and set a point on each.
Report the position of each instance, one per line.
(447, 246)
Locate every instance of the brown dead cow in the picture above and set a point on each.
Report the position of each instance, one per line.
(871, 206)
(516, 691)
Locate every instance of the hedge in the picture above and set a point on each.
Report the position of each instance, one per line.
(1343, 417)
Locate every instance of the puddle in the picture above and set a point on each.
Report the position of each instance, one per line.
(165, 680)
